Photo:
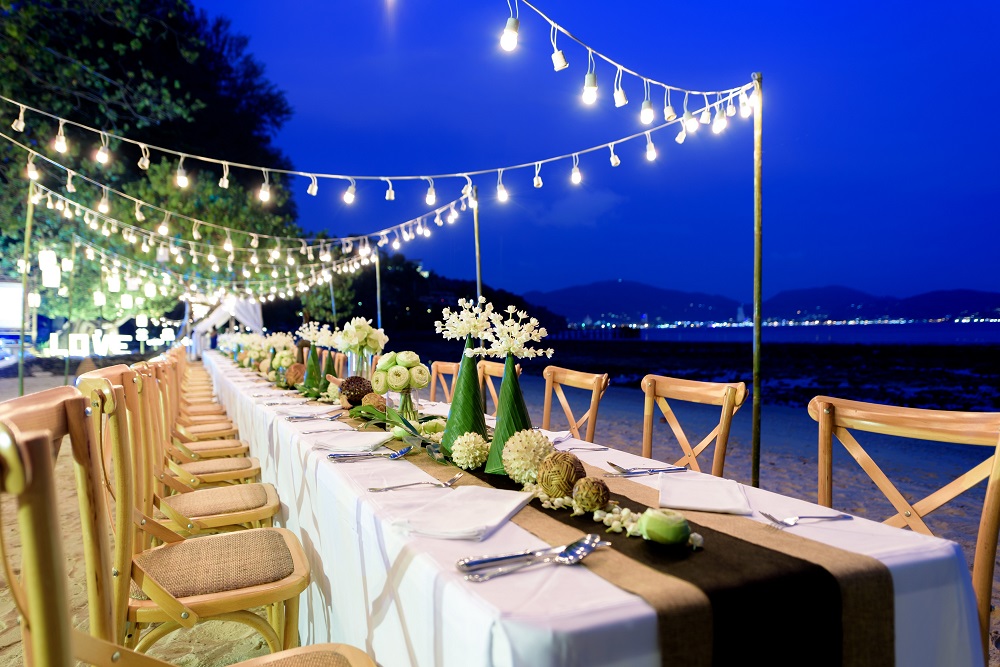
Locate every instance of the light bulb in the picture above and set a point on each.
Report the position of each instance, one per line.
(313, 187)
(390, 194)
(669, 113)
(60, 144)
(114, 283)
(706, 117)
(431, 197)
(349, 194)
(615, 160)
(163, 229)
(646, 114)
(18, 124)
(502, 195)
(60, 205)
(264, 194)
(690, 122)
(590, 88)
(730, 107)
(745, 109)
(508, 40)
(144, 160)
(395, 244)
(181, 178)
(575, 176)
(720, 122)
(35, 299)
(32, 171)
(228, 245)
(70, 187)
(99, 299)
(620, 98)
(537, 182)
(139, 215)
(650, 150)
(224, 182)
(681, 136)
(103, 206)
(68, 213)
(127, 301)
(102, 155)
(559, 60)
(144, 247)
(254, 241)
(453, 214)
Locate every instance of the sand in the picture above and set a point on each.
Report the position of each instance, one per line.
(788, 466)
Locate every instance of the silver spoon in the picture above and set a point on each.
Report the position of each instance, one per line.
(486, 562)
(351, 457)
(305, 418)
(571, 555)
(440, 485)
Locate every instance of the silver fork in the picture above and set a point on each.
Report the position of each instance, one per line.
(792, 520)
(442, 485)
(584, 449)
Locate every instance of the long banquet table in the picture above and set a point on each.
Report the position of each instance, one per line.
(400, 597)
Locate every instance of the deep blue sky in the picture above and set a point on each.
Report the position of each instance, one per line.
(880, 137)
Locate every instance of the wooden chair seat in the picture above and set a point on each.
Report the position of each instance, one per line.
(206, 449)
(555, 379)
(727, 395)
(209, 509)
(440, 371)
(842, 418)
(204, 409)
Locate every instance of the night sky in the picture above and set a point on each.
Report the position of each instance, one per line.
(880, 137)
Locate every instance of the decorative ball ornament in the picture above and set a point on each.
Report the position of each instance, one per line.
(558, 472)
(355, 388)
(591, 494)
(374, 400)
(295, 374)
(522, 454)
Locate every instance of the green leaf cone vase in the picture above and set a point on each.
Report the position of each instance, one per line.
(512, 416)
(466, 413)
(329, 368)
(312, 376)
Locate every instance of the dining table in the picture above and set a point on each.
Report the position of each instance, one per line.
(384, 575)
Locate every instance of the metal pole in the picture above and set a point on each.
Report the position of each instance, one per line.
(24, 283)
(475, 224)
(69, 313)
(757, 276)
(378, 289)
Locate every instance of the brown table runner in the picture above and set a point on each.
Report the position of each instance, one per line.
(753, 592)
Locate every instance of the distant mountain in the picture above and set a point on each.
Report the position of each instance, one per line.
(634, 302)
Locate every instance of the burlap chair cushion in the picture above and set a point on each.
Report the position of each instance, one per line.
(312, 659)
(224, 500)
(218, 465)
(204, 445)
(219, 563)
(210, 428)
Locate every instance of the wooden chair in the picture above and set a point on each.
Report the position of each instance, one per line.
(487, 371)
(29, 429)
(727, 395)
(841, 418)
(439, 372)
(555, 379)
(169, 501)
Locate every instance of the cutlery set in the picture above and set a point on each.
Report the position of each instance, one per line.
(638, 472)
(792, 520)
(351, 457)
(485, 568)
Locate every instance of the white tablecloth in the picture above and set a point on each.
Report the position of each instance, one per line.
(401, 598)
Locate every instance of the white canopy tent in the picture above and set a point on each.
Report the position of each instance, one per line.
(245, 311)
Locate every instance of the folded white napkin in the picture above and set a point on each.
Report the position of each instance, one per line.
(350, 441)
(462, 513)
(304, 410)
(703, 493)
(556, 436)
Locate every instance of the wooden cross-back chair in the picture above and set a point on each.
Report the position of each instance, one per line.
(183, 581)
(201, 463)
(164, 496)
(30, 428)
(840, 418)
(203, 428)
(440, 372)
(555, 379)
(488, 370)
(660, 389)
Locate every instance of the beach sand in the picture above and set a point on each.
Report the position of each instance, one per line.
(788, 466)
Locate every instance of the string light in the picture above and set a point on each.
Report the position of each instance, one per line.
(688, 120)
(139, 215)
(502, 195)
(264, 194)
(431, 197)
(558, 59)
(668, 109)
(620, 98)
(18, 124)
(537, 181)
(508, 39)
(452, 214)
(745, 109)
(181, 177)
(254, 241)
(646, 113)
(70, 187)
(32, 170)
(163, 229)
(349, 193)
(575, 176)
(390, 194)
(224, 181)
(228, 245)
(590, 80)
(720, 122)
(313, 186)
(195, 234)
(60, 144)
(103, 154)
(706, 116)
(650, 148)
(104, 205)
(144, 160)
(615, 160)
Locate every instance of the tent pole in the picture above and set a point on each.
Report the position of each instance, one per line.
(757, 277)
(69, 313)
(475, 224)
(378, 290)
(24, 283)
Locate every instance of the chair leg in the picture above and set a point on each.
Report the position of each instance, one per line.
(291, 625)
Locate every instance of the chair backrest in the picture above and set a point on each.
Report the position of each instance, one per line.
(440, 371)
(660, 389)
(840, 418)
(488, 370)
(31, 430)
(555, 379)
(340, 364)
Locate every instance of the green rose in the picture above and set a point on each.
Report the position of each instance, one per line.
(420, 377)
(407, 359)
(380, 382)
(664, 526)
(398, 378)
(385, 362)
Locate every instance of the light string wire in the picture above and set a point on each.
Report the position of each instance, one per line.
(614, 63)
(728, 93)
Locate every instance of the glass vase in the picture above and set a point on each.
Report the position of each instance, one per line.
(359, 363)
(408, 406)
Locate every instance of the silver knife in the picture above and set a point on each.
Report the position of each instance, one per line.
(642, 473)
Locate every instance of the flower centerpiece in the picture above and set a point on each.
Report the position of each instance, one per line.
(401, 372)
(359, 341)
(282, 348)
(465, 416)
(315, 382)
(508, 337)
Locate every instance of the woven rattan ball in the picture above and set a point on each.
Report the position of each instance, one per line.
(295, 374)
(558, 472)
(591, 494)
(374, 400)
